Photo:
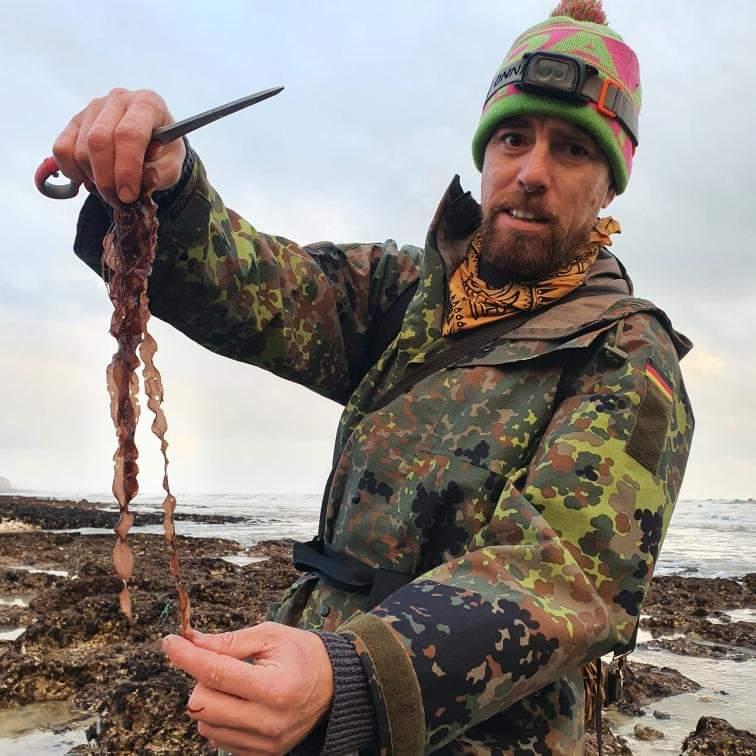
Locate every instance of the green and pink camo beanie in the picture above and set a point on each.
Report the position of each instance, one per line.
(577, 28)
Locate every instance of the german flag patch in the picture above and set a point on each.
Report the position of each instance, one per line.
(657, 379)
(652, 420)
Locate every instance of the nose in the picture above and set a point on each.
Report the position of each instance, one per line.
(534, 174)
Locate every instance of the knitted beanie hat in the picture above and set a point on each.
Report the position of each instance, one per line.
(606, 78)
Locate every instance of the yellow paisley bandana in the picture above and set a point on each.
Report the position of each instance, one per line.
(473, 303)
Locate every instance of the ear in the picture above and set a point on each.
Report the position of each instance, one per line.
(609, 196)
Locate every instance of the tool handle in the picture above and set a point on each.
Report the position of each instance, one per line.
(47, 168)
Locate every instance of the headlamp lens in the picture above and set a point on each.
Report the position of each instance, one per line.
(552, 73)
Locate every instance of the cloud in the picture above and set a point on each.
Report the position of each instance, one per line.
(378, 113)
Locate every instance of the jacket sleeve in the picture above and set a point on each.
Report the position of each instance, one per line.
(557, 576)
(300, 312)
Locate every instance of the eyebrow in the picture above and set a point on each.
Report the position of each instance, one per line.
(569, 129)
(576, 132)
(514, 122)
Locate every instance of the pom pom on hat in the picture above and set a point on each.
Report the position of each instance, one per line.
(582, 10)
(576, 29)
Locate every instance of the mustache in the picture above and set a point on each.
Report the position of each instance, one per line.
(525, 202)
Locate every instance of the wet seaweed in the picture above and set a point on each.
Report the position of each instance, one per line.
(128, 254)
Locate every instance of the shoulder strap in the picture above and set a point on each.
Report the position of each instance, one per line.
(578, 361)
(383, 331)
(466, 342)
(459, 346)
(572, 370)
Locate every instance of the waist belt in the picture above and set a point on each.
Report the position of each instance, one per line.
(346, 573)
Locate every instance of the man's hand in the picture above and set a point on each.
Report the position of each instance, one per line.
(105, 144)
(264, 707)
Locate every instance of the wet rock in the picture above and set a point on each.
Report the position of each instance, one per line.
(147, 716)
(645, 683)
(689, 604)
(713, 735)
(78, 647)
(690, 646)
(611, 743)
(661, 714)
(643, 732)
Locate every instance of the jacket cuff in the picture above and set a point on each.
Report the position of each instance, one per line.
(95, 219)
(393, 682)
(351, 723)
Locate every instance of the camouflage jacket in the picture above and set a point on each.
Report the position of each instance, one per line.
(533, 529)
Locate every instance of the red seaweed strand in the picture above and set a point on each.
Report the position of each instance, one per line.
(129, 252)
(153, 388)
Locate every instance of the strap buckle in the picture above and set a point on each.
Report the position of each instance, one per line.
(614, 683)
(601, 104)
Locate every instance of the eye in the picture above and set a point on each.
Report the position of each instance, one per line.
(511, 139)
(577, 150)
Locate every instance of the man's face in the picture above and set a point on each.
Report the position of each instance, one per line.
(569, 180)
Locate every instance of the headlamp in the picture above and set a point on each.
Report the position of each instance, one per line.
(556, 75)
(573, 80)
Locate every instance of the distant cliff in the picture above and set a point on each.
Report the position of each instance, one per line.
(5, 485)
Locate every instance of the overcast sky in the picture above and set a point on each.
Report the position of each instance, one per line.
(380, 105)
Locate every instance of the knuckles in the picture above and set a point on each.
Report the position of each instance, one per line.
(118, 92)
(273, 731)
(72, 142)
(63, 147)
(215, 676)
(130, 133)
(151, 98)
(98, 140)
(81, 155)
(226, 640)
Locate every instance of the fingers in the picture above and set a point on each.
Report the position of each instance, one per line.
(222, 709)
(240, 743)
(241, 644)
(81, 147)
(106, 143)
(214, 670)
(225, 713)
(131, 139)
(63, 150)
(100, 145)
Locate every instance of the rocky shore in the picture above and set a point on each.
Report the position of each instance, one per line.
(65, 639)
(57, 514)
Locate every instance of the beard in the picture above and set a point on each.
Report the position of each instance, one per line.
(524, 257)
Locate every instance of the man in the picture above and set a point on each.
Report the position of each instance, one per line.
(505, 468)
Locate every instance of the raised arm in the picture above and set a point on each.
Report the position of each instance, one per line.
(300, 312)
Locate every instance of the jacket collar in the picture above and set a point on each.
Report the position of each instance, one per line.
(456, 219)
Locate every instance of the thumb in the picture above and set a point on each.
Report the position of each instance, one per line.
(254, 641)
(167, 161)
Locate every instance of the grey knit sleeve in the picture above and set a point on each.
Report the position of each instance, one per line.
(351, 724)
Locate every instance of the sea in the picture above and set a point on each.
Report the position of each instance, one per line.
(707, 538)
